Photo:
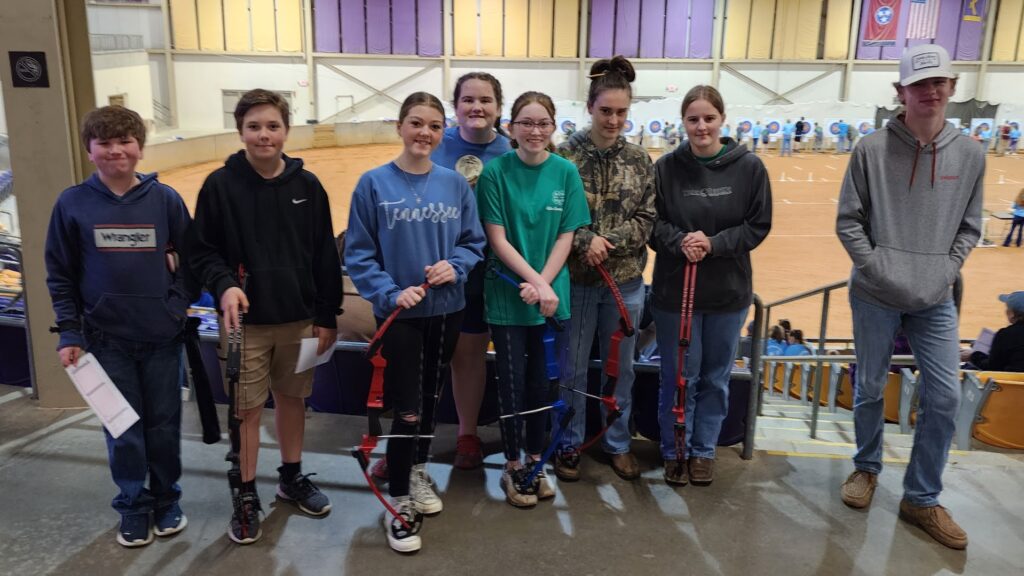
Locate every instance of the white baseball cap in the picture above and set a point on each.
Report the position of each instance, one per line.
(924, 61)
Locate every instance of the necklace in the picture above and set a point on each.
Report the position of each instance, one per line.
(415, 194)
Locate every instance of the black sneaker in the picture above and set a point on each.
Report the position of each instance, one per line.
(134, 531)
(245, 521)
(304, 494)
(400, 538)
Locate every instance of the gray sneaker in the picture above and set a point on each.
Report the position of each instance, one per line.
(404, 537)
(304, 494)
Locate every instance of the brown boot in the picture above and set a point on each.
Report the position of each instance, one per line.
(859, 488)
(626, 466)
(936, 521)
(567, 465)
(675, 472)
(702, 471)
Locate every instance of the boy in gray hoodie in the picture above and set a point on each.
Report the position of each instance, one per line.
(909, 214)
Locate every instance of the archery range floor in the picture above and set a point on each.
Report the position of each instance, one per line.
(779, 513)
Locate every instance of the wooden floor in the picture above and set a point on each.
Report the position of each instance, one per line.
(802, 251)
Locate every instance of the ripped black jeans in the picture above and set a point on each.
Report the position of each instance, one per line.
(417, 351)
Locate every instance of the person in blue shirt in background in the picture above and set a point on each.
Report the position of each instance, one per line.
(796, 345)
(1014, 138)
(788, 129)
(755, 134)
(841, 132)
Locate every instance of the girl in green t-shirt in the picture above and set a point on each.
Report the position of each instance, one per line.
(531, 203)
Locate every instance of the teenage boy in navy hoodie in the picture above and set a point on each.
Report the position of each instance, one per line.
(117, 291)
(908, 237)
(263, 212)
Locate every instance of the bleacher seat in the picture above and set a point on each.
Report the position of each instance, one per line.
(999, 422)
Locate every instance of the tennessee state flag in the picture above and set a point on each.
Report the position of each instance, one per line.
(882, 21)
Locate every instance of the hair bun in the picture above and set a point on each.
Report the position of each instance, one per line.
(622, 66)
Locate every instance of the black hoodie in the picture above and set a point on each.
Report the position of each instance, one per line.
(730, 200)
(280, 230)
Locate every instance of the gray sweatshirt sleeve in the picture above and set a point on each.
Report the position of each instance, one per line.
(970, 226)
(854, 205)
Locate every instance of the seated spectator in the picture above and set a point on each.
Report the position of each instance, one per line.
(1007, 352)
(776, 341)
(797, 346)
(356, 323)
(786, 327)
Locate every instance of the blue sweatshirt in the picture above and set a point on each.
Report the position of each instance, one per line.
(398, 224)
(106, 265)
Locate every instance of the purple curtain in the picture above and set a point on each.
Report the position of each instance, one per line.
(652, 29)
(949, 23)
(972, 29)
(677, 14)
(326, 25)
(627, 28)
(353, 27)
(429, 26)
(602, 28)
(403, 26)
(702, 24)
(378, 27)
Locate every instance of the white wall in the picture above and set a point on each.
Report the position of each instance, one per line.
(124, 73)
(200, 80)
(136, 20)
(336, 92)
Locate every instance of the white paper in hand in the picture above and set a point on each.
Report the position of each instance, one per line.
(102, 395)
(983, 343)
(308, 357)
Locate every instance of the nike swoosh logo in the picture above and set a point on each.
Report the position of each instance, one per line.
(297, 201)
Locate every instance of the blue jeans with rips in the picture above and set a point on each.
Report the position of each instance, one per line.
(709, 362)
(149, 377)
(934, 338)
(594, 310)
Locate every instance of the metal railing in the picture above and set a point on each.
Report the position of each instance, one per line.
(162, 114)
(115, 42)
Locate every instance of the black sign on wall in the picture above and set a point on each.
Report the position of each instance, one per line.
(28, 70)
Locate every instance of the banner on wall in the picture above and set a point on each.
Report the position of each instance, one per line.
(974, 10)
(923, 19)
(883, 21)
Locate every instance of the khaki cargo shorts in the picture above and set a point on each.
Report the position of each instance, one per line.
(269, 355)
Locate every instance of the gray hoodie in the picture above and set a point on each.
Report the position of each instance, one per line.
(909, 215)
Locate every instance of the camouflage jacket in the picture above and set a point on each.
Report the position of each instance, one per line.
(619, 182)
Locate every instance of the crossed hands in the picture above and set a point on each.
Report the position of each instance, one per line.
(541, 294)
(441, 272)
(695, 246)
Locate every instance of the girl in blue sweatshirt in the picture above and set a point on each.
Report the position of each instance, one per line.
(413, 221)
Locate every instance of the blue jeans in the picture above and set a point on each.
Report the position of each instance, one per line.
(709, 362)
(594, 309)
(149, 376)
(933, 336)
(787, 147)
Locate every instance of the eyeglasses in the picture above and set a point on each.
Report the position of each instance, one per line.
(529, 125)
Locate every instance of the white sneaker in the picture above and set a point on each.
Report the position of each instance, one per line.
(422, 493)
(400, 537)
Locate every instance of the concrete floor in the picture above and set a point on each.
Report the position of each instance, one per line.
(777, 514)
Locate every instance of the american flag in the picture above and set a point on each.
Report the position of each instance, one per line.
(924, 18)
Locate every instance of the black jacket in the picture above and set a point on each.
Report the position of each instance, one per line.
(1007, 353)
(280, 231)
(730, 200)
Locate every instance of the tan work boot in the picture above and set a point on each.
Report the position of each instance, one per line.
(936, 521)
(626, 466)
(702, 471)
(567, 465)
(859, 488)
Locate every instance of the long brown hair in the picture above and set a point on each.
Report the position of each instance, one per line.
(704, 92)
(533, 97)
(419, 99)
(1020, 198)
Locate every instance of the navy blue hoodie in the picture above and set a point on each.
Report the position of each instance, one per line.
(280, 230)
(106, 265)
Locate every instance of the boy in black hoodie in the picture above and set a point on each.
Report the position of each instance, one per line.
(262, 213)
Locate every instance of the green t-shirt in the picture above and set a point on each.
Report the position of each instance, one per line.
(534, 204)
